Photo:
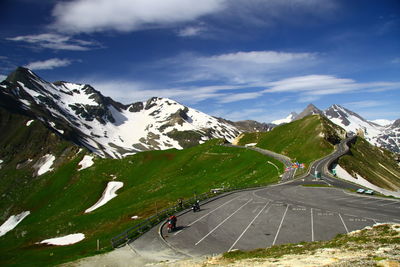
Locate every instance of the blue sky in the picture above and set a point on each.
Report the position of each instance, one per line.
(237, 59)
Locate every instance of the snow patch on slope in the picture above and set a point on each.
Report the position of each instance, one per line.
(342, 173)
(86, 162)
(285, 120)
(382, 122)
(12, 222)
(45, 163)
(64, 240)
(108, 194)
(29, 123)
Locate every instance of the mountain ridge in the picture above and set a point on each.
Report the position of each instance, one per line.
(108, 128)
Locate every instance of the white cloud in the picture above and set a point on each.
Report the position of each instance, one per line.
(55, 41)
(261, 57)
(243, 67)
(48, 64)
(239, 97)
(365, 104)
(191, 31)
(396, 60)
(2, 77)
(78, 16)
(126, 15)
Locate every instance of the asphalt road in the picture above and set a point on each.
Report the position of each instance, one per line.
(284, 213)
(281, 214)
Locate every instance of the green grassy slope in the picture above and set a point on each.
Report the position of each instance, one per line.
(152, 180)
(376, 165)
(303, 140)
(21, 146)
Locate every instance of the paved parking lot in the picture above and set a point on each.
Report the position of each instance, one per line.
(277, 215)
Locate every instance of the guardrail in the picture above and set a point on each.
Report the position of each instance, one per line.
(137, 230)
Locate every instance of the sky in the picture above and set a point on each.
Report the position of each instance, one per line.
(236, 59)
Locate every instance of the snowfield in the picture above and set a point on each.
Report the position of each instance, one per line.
(86, 162)
(12, 222)
(342, 173)
(108, 194)
(45, 163)
(29, 123)
(64, 240)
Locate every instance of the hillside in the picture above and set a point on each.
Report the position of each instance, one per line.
(25, 146)
(151, 180)
(304, 140)
(376, 165)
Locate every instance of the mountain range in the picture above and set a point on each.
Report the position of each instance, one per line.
(81, 114)
(382, 136)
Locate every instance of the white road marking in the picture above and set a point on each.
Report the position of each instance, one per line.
(391, 203)
(280, 225)
(347, 230)
(245, 230)
(227, 218)
(312, 226)
(255, 210)
(342, 198)
(208, 213)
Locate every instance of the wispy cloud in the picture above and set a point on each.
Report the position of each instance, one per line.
(241, 67)
(191, 31)
(396, 60)
(56, 42)
(365, 104)
(2, 77)
(326, 85)
(86, 16)
(239, 97)
(48, 64)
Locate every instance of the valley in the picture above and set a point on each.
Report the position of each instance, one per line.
(83, 167)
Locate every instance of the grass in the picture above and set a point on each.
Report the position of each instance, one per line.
(380, 169)
(379, 236)
(152, 180)
(304, 140)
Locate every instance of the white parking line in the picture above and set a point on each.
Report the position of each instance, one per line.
(342, 198)
(280, 225)
(208, 213)
(391, 203)
(312, 226)
(345, 227)
(227, 218)
(230, 249)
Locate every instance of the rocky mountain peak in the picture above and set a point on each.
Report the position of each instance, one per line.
(309, 110)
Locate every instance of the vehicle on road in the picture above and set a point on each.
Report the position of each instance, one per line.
(369, 192)
(360, 191)
(196, 206)
(171, 223)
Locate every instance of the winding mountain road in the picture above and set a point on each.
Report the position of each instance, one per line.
(288, 212)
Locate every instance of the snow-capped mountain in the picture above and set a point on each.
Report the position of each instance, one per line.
(288, 119)
(83, 115)
(382, 136)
